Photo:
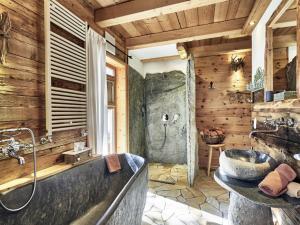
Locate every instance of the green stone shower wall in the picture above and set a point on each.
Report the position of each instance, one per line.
(136, 84)
(166, 93)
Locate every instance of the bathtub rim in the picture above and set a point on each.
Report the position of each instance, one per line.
(115, 204)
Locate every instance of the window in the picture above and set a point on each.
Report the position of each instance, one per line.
(111, 79)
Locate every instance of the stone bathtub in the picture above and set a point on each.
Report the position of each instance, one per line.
(86, 194)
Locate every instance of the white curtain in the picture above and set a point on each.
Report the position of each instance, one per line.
(97, 93)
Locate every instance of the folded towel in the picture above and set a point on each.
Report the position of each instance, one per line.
(113, 163)
(275, 183)
(286, 171)
(293, 190)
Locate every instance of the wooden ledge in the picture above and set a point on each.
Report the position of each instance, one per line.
(42, 174)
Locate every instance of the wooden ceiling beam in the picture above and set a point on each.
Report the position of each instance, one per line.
(282, 8)
(143, 9)
(216, 49)
(255, 15)
(230, 27)
(288, 19)
(160, 59)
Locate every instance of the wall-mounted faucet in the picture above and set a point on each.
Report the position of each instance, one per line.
(268, 121)
(10, 147)
(165, 119)
(13, 147)
(286, 122)
(46, 140)
(264, 131)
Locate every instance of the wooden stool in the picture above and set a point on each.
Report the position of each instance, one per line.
(210, 149)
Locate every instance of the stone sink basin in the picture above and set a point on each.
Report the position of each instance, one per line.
(246, 164)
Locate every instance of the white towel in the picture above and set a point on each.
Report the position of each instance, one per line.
(293, 190)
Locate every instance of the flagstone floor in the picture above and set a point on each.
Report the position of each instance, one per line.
(206, 203)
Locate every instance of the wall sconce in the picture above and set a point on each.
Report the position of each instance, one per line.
(237, 63)
(5, 27)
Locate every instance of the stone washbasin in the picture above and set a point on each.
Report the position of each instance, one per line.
(246, 164)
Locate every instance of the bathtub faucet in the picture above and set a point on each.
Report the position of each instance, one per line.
(12, 148)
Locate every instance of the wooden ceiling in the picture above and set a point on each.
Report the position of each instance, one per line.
(215, 19)
(188, 18)
(219, 12)
(288, 18)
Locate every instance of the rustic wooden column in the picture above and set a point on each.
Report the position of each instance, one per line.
(269, 60)
(298, 51)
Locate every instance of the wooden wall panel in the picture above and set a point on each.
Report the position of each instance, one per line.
(280, 60)
(223, 106)
(22, 83)
(122, 111)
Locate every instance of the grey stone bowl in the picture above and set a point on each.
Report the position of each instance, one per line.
(246, 165)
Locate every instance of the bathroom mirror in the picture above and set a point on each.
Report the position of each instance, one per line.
(281, 53)
(284, 61)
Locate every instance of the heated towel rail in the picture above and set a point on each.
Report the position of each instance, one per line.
(66, 60)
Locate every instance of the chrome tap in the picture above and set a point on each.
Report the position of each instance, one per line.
(12, 148)
(264, 131)
(268, 121)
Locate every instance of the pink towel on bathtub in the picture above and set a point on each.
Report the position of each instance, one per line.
(275, 183)
(113, 163)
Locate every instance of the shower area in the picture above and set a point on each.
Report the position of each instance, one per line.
(162, 124)
(165, 117)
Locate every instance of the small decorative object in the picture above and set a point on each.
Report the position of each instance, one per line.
(238, 97)
(79, 146)
(73, 157)
(211, 85)
(258, 81)
(237, 63)
(213, 135)
(285, 95)
(268, 96)
(5, 27)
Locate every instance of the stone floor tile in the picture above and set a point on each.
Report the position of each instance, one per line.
(154, 216)
(223, 197)
(213, 201)
(147, 221)
(186, 193)
(167, 214)
(164, 187)
(195, 192)
(210, 209)
(181, 199)
(169, 193)
(195, 202)
(180, 204)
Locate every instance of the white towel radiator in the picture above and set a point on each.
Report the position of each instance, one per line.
(65, 60)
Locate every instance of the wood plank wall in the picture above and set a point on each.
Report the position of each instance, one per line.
(22, 82)
(222, 106)
(280, 60)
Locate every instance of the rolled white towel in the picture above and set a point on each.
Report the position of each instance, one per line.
(293, 190)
